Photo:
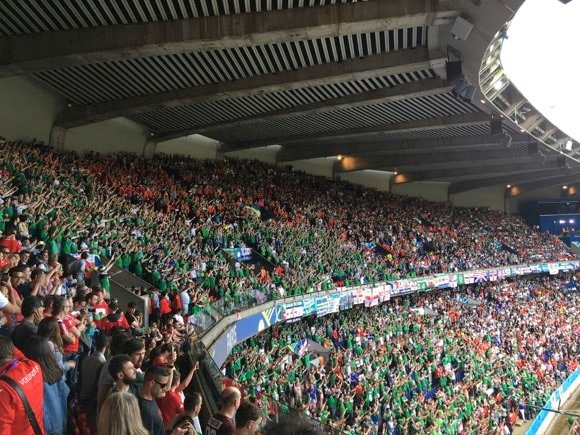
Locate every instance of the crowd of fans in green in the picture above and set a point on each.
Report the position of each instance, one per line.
(468, 361)
(168, 220)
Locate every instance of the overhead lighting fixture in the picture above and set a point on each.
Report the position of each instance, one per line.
(339, 157)
(482, 101)
(568, 145)
(509, 186)
(396, 172)
(564, 187)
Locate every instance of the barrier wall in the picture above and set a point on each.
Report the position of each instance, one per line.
(239, 327)
(543, 420)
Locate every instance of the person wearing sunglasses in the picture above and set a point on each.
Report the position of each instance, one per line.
(154, 386)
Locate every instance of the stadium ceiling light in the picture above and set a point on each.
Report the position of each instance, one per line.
(569, 145)
(509, 186)
(564, 187)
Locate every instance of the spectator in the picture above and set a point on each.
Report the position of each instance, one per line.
(105, 380)
(48, 329)
(8, 302)
(14, 420)
(172, 403)
(191, 409)
(124, 376)
(120, 416)
(222, 423)
(89, 375)
(248, 419)
(114, 321)
(154, 386)
(32, 309)
(9, 241)
(133, 317)
(81, 268)
(55, 389)
(135, 348)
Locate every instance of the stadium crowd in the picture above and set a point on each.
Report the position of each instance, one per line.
(173, 221)
(168, 220)
(471, 361)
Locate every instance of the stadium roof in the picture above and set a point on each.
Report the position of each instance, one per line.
(365, 80)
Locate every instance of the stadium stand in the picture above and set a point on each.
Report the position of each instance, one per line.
(238, 233)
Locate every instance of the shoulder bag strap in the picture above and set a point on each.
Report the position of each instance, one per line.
(29, 412)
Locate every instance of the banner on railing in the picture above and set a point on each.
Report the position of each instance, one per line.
(344, 298)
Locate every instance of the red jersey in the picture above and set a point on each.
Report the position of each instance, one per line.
(66, 326)
(108, 323)
(170, 405)
(28, 375)
(164, 306)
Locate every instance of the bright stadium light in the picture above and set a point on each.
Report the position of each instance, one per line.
(568, 145)
(541, 64)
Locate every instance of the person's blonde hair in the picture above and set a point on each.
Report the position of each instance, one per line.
(120, 415)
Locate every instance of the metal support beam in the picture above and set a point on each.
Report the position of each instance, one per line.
(511, 179)
(416, 89)
(348, 164)
(446, 144)
(467, 169)
(307, 140)
(522, 188)
(353, 69)
(548, 133)
(30, 53)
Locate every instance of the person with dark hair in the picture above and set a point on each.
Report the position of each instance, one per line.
(133, 317)
(90, 371)
(135, 348)
(248, 419)
(191, 408)
(27, 375)
(294, 423)
(222, 423)
(55, 389)
(81, 268)
(105, 380)
(122, 371)
(32, 309)
(114, 321)
(48, 328)
(157, 380)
